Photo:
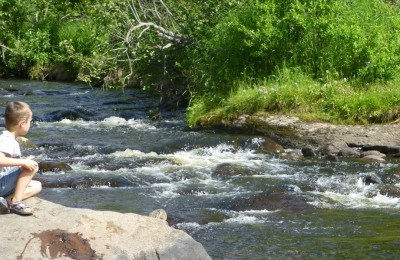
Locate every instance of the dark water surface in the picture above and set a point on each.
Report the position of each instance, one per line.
(122, 161)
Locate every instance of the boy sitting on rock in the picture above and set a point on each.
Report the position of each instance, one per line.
(16, 174)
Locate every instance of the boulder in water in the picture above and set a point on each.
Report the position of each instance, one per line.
(229, 169)
(308, 151)
(271, 201)
(54, 166)
(348, 152)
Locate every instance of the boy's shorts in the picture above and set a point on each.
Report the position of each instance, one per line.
(8, 181)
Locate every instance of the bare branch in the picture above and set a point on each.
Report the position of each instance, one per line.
(166, 8)
(141, 8)
(162, 32)
(155, 10)
(3, 54)
(133, 10)
(5, 47)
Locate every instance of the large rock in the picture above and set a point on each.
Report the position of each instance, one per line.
(271, 201)
(230, 169)
(55, 231)
(292, 132)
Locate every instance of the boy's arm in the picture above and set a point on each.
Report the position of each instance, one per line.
(25, 163)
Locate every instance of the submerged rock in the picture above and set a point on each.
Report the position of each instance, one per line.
(57, 231)
(308, 151)
(229, 169)
(271, 201)
(374, 153)
(373, 159)
(25, 143)
(391, 178)
(54, 166)
(348, 152)
(73, 114)
(83, 182)
(292, 155)
(369, 179)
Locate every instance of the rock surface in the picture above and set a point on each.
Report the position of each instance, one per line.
(55, 231)
(292, 132)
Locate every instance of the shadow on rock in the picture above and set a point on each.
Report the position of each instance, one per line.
(55, 243)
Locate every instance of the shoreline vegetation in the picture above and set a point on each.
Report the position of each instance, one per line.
(326, 61)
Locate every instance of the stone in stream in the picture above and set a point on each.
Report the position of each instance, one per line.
(230, 169)
(348, 152)
(308, 151)
(54, 166)
(72, 114)
(369, 179)
(83, 182)
(268, 200)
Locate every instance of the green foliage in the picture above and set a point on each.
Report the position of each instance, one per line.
(321, 43)
(40, 34)
(80, 34)
(293, 92)
(32, 52)
(329, 59)
(356, 40)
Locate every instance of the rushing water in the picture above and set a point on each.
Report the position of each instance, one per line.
(122, 161)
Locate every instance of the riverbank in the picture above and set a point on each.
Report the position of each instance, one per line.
(291, 132)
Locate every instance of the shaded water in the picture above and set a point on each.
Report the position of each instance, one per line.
(121, 161)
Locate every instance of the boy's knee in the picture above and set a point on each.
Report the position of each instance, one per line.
(38, 186)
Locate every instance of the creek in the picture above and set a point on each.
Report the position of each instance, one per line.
(123, 161)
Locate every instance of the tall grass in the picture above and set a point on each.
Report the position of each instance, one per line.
(292, 92)
(318, 59)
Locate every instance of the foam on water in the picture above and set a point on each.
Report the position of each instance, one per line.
(356, 200)
(212, 156)
(107, 123)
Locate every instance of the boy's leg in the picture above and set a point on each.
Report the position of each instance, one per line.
(7, 186)
(25, 187)
(34, 187)
(17, 184)
(8, 181)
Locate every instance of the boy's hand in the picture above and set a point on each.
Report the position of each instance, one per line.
(30, 164)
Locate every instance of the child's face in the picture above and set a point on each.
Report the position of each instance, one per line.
(25, 125)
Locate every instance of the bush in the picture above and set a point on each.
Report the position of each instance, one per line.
(352, 43)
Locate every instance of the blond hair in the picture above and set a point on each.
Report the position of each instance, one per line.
(15, 112)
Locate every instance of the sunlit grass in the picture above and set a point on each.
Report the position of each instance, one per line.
(291, 92)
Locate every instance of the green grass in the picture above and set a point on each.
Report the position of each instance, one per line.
(291, 92)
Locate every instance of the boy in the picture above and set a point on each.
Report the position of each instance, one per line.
(16, 174)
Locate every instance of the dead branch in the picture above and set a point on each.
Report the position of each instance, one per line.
(5, 47)
(162, 32)
(3, 54)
